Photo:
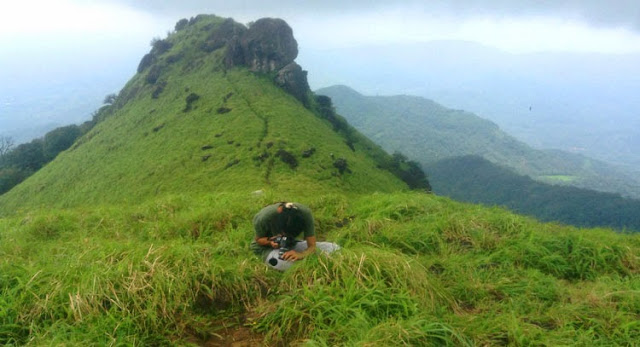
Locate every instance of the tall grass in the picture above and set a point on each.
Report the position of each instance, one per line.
(414, 269)
(139, 235)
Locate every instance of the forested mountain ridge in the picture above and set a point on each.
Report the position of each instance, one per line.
(577, 102)
(427, 132)
(475, 179)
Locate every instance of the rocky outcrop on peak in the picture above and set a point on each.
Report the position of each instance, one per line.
(294, 80)
(266, 46)
(269, 46)
(228, 33)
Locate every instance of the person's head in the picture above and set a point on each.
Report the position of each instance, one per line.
(290, 220)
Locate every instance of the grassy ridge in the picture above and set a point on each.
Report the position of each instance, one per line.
(152, 147)
(139, 234)
(414, 269)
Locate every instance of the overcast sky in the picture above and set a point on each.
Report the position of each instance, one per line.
(50, 44)
(41, 40)
(514, 26)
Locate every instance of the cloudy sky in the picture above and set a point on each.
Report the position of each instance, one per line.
(514, 26)
(44, 43)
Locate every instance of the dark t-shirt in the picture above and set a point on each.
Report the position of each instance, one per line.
(266, 224)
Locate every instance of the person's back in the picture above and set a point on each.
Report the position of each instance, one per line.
(277, 227)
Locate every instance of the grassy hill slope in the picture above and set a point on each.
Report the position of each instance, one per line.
(428, 132)
(415, 269)
(139, 234)
(200, 127)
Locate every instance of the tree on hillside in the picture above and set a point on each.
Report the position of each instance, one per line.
(181, 24)
(410, 172)
(10, 177)
(110, 99)
(27, 156)
(59, 139)
(415, 177)
(6, 143)
(160, 46)
(16, 164)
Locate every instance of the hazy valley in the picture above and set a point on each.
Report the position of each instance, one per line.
(577, 102)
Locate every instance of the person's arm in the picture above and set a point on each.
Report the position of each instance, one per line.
(311, 248)
(262, 227)
(266, 241)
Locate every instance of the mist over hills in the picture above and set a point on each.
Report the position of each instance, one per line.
(196, 118)
(578, 102)
(37, 96)
(428, 132)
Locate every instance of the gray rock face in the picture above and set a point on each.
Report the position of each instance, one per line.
(229, 31)
(294, 80)
(269, 45)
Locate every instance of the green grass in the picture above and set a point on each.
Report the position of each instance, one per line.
(558, 178)
(415, 269)
(147, 147)
(131, 237)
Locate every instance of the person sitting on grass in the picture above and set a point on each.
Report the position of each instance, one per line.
(276, 228)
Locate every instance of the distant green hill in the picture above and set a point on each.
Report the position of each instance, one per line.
(427, 132)
(194, 120)
(477, 180)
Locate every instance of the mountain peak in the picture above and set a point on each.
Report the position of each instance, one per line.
(268, 45)
(215, 106)
(265, 46)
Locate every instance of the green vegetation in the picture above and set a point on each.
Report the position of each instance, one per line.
(16, 164)
(427, 132)
(415, 269)
(152, 147)
(207, 126)
(138, 234)
(450, 144)
(407, 170)
(557, 178)
(6, 144)
(179, 141)
(476, 180)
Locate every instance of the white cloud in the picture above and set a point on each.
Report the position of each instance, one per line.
(516, 35)
(38, 19)
(47, 22)
(535, 34)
